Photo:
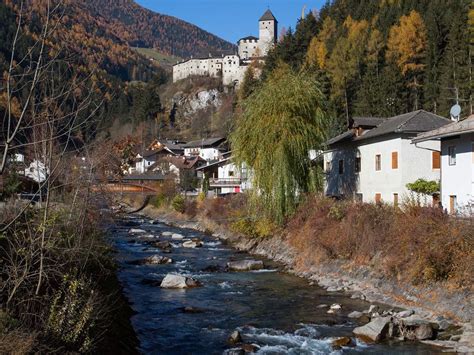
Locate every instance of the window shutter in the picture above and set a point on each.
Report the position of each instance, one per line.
(394, 160)
(436, 160)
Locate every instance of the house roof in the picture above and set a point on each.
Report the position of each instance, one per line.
(455, 128)
(149, 177)
(150, 153)
(367, 121)
(205, 143)
(179, 162)
(412, 122)
(217, 163)
(268, 16)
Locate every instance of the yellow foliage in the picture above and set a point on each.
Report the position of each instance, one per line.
(407, 43)
(317, 54)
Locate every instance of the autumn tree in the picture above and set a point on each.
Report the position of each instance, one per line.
(406, 47)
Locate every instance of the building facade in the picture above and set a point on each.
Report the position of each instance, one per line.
(457, 164)
(231, 68)
(374, 162)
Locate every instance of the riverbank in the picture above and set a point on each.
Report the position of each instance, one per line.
(433, 303)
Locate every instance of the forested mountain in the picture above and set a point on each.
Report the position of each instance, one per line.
(140, 27)
(386, 57)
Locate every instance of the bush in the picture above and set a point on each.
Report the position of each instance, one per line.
(178, 204)
(418, 244)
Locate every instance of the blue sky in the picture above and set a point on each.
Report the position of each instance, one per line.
(231, 19)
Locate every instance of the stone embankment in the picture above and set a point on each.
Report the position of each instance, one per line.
(432, 314)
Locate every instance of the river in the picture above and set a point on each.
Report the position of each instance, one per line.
(275, 310)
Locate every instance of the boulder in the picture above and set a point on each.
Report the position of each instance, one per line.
(178, 281)
(355, 314)
(373, 309)
(157, 260)
(414, 321)
(177, 236)
(136, 231)
(235, 337)
(236, 351)
(374, 331)
(250, 348)
(423, 332)
(192, 244)
(167, 234)
(245, 265)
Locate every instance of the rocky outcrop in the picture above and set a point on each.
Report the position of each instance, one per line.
(245, 265)
(178, 281)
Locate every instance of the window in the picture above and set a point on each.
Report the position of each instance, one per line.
(436, 160)
(359, 197)
(378, 198)
(452, 155)
(357, 165)
(328, 166)
(378, 162)
(395, 199)
(231, 173)
(394, 160)
(341, 167)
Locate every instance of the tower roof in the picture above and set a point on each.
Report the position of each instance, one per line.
(268, 16)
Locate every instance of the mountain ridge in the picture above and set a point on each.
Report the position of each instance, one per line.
(141, 27)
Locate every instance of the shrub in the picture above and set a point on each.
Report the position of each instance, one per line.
(158, 200)
(178, 203)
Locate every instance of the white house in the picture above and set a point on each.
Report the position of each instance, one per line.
(208, 149)
(232, 67)
(146, 159)
(37, 171)
(457, 164)
(375, 159)
(226, 177)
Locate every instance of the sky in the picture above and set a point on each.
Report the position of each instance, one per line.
(232, 19)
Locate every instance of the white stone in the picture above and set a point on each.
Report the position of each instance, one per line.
(375, 330)
(136, 231)
(177, 236)
(178, 281)
(245, 265)
(192, 244)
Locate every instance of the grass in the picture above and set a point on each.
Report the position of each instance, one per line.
(163, 59)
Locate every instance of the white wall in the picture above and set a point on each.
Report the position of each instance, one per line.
(267, 38)
(249, 48)
(458, 180)
(413, 163)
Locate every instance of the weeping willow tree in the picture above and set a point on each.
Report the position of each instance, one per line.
(280, 123)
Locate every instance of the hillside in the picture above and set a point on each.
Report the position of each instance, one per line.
(140, 27)
(383, 58)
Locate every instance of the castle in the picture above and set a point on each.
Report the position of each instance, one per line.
(232, 67)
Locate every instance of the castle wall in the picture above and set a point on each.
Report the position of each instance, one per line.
(249, 48)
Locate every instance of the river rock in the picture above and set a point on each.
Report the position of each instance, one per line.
(338, 343)
(164, 246)
(157, 260)
(245, 265)
(423, 332)
(235, 337)
(167, 234)
(235, 351)
(192, 244)
(250, 348)
(212, 268)
(136, 231)
(192, 310)
(355, 314)
(413, 321)
(177, 236)
(374, 331)
(178, 281)
(405, 314)
(322, 306)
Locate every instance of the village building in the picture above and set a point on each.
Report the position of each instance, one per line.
(457, 164)
(144, 160)
(209, 149)
(225, 176)
(232, 67)
(177, 167)
(375, 159)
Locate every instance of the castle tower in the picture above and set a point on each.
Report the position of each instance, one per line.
(268, 29)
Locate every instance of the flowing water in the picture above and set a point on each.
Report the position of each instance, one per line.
(274, 310)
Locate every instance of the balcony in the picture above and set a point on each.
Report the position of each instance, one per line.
(215, 182)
